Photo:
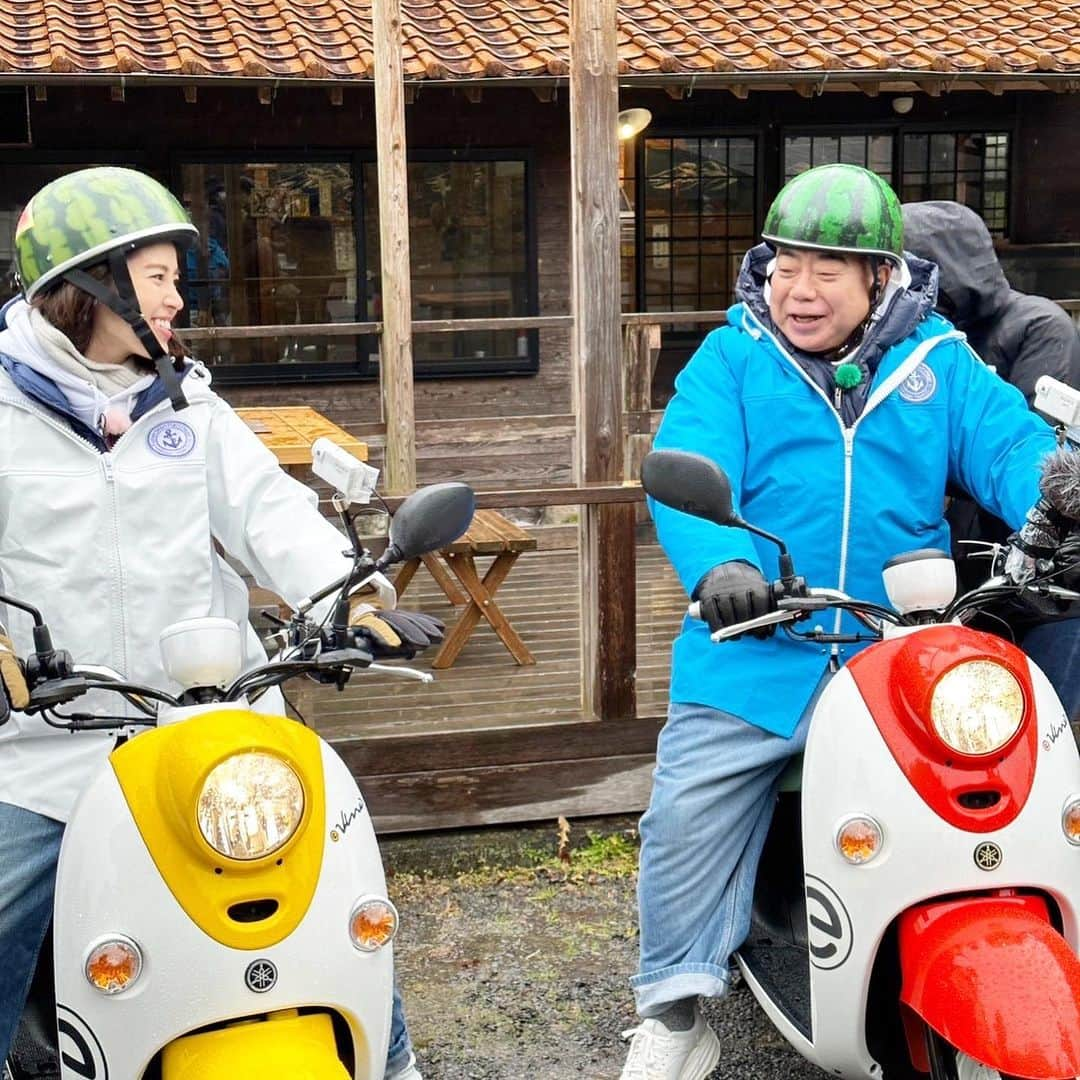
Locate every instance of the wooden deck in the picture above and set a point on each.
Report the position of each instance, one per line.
(490, 741)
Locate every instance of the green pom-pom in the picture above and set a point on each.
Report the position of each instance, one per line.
(848, 376)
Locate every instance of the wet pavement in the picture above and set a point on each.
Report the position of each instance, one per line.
(514, 962)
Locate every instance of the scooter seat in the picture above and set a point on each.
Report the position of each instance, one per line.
(791, 777)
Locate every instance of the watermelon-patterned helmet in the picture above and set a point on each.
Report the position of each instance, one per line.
(79, 219)
(838, 208)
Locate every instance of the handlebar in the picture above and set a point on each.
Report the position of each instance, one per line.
(874, 615)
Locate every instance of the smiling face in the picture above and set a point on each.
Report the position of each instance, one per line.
(818, 298)
(155, 274)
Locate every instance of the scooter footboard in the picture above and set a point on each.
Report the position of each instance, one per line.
(285, 1045)
(992, 976)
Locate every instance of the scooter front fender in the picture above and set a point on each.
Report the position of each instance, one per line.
(283, 1045)
(993, 977)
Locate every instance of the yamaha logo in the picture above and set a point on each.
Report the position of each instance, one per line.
(261, 975)
(988, 856)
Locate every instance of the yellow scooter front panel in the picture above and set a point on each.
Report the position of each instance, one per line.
(162, 774)
(282, 1047)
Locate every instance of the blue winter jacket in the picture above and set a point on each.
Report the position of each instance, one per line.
(844, 498)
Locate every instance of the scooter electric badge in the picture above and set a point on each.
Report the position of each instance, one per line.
(829, 925)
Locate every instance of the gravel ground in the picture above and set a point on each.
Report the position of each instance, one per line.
(514, 962)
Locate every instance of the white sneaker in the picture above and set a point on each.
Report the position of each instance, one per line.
(410, 1072)
(657, 1053)
(969, 1069)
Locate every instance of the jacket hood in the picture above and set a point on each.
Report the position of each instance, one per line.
(22, 357)
(972, 286)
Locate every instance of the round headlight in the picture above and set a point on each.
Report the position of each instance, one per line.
(250, 805)
(977, 707)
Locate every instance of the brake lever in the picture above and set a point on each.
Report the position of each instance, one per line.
(54, 692)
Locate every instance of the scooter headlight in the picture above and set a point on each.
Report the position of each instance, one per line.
(977, 707)
(250, 805)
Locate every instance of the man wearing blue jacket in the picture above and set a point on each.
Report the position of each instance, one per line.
(839, 405)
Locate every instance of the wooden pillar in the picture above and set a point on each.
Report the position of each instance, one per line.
(395, 349)
(609, 650)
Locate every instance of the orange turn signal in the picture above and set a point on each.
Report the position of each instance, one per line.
(1070, 822)
(113, 965)
(373, 923)
(859, 839)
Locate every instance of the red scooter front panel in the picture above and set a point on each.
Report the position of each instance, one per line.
(896, 679)
(994, 978)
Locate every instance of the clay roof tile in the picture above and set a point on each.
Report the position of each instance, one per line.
(323, 39)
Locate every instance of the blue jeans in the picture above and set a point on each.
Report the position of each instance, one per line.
(701, 840)
(29, 847)
(1055, 649)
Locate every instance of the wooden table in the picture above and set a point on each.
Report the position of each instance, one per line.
(289, 431)
(488, 534)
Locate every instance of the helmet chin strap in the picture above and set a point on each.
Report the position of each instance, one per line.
(121, 302)
(854, 339)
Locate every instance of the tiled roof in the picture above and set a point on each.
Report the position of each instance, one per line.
(475, 39)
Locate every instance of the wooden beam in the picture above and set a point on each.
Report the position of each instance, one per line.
(191, 94)
(677, 93)
(473, 94)
(545, 94)
(932, 87)
(41, 93)
(116, 93)
(607, 532)
(337, 96)
(266, 95)
(870, 89)
(395, 347)
(740, 90)
(410, 93)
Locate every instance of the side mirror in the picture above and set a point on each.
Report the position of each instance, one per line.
(690, 483)
(427, 520)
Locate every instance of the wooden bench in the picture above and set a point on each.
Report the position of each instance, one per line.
(488, 534)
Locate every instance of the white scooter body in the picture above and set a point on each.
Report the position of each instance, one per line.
(849, 770)
(107, 884)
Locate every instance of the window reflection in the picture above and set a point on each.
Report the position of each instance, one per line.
(468, 251)
(276, 247)
(699, 220)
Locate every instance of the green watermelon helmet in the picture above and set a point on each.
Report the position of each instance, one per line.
(841, 208)
(101, 215)
(78, 219)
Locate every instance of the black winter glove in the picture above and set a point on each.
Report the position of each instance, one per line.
(1067, 563)
(395, 632)
(733, 592)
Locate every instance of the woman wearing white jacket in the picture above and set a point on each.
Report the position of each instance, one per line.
(119, 469)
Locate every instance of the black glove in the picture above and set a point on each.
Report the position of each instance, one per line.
(395, 632)
(1067, 563)
(732, 593)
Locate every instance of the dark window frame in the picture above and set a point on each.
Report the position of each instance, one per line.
(899, 129)
(362, 369)
(467, 367)
(755, 133)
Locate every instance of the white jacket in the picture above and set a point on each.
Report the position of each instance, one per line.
(112, 547)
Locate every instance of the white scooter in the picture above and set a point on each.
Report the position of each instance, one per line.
(917, 907)
(221, 911)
